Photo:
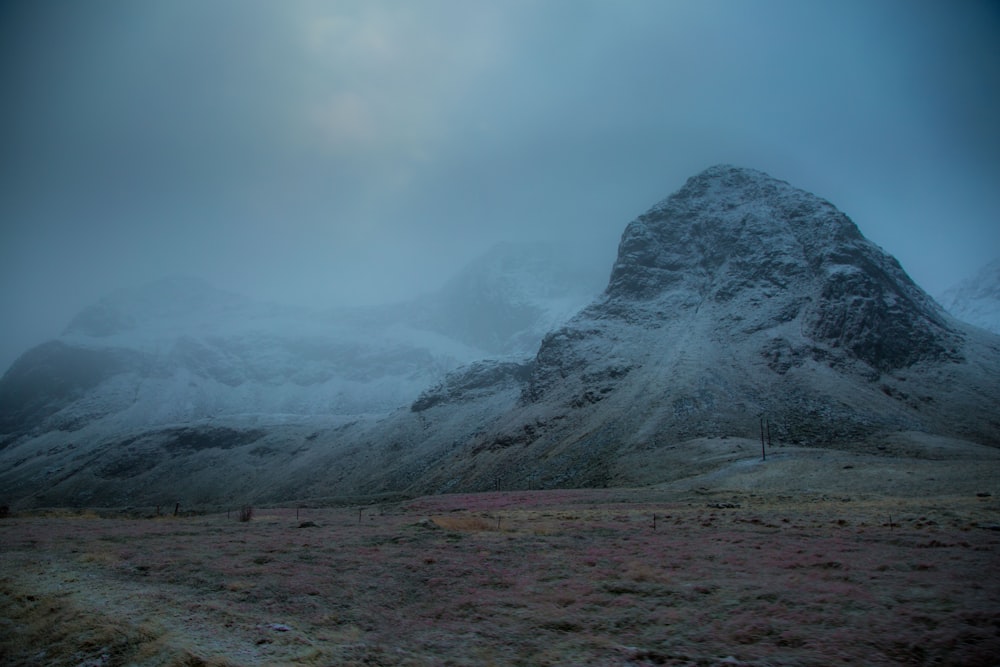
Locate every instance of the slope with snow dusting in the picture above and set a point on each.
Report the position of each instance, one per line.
(976, 300)
(738, 304)
(738, 300)
(153, 376)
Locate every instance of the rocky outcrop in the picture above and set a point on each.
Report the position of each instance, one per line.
(741, 298)
(469, 383)
(733, 235)
(52, 376)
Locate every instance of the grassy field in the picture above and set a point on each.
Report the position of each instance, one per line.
(599, 577)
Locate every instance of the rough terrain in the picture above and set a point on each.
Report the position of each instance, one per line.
(743, 567)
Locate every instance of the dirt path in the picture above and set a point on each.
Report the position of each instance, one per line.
(132, 622)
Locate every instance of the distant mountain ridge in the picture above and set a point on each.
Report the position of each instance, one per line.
(179, 350)
(976, 299)
(508, 299)
(739, 300)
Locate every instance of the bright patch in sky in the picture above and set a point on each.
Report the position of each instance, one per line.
(357, 152)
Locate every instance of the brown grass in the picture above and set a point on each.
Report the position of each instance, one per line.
(465, 523)
(570, 578)
(51, 629)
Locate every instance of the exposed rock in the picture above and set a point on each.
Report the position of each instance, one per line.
(52, 376)
(736, 299)
(731, 233)
(465, 384)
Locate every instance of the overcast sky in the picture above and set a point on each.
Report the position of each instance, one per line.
(348, 152)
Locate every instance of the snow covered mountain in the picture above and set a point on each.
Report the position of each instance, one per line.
(736, 302)
(135, 362)
(178, 351)
(738, 299)
(976, 300)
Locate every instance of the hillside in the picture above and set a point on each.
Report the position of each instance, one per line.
(738, 305)
(188, 367)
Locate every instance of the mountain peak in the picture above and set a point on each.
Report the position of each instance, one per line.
(739, 240)
(728, 184)
(166, 299)
(728, 219)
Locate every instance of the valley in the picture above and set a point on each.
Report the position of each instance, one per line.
(762, 444)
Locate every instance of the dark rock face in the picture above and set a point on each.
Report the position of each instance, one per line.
(868, 314)
(466, 383)
(732, 231)
(194, 439)
(50, 376)
(727, 229)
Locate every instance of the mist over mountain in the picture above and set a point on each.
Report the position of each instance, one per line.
(178, 350)
(737, 301)
(507, 300)
(976, 299)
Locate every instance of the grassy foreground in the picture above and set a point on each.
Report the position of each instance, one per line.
(519, 578)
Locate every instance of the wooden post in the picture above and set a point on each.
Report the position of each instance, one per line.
(177, 509)
(768, 432)
(359, 514)
(763, 453)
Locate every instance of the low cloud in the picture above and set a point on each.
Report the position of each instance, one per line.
(361, 151)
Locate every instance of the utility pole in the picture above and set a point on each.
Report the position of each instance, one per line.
(763, 452)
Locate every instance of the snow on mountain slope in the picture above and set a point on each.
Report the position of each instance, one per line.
(976, 300)
(150, 367)
(179, 350)
(736, 302)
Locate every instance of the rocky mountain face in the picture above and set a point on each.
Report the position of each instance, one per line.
(737, 306)
(976, 300)
(739, 300)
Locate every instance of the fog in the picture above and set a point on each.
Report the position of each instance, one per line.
(326, 153)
